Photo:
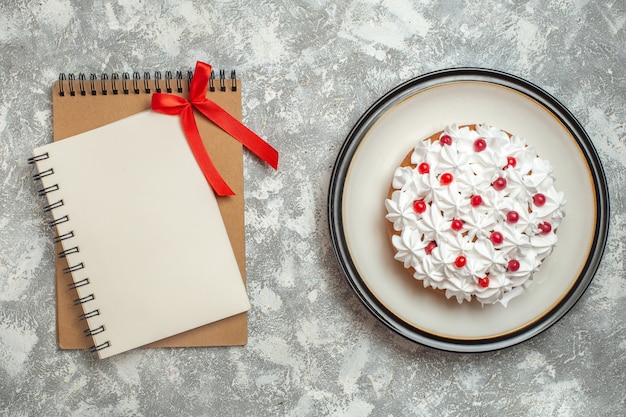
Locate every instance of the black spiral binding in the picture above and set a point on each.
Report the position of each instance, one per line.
(97, 330)
(136, 83)
(93, 84)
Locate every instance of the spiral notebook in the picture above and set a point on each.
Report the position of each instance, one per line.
(116, 105)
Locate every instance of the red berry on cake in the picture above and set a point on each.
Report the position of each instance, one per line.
(430, 247)
(539, 199)
(423, 168)
(446, 178)
(499, 184)
(513, 265)
(419, 206)
(445, 140)
(476, 200)
(483, 282)
(512, 216)
(457, 225)
(460, 261)
(496, 238)
(511, 162)
(545, 228)
(480, 145)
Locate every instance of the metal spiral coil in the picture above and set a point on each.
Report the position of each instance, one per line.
(137, 83)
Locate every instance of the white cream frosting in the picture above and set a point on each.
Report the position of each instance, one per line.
(485, 271)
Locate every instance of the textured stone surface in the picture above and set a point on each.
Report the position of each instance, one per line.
(310, 69)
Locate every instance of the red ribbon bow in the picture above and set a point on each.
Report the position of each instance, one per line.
(173, 104)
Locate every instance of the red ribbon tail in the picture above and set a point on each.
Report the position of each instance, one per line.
(239, 131)
(211, 174)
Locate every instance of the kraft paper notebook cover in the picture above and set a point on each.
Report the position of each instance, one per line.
(80, 105)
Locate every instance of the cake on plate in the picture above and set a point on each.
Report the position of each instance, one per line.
(473, 212)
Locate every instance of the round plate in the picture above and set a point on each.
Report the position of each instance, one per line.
(362, 175)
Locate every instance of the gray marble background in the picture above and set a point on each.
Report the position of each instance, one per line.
(310, 69)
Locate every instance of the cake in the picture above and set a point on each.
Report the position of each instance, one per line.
(473, 212)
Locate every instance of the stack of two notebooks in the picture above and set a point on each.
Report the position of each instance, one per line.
(148, 255)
